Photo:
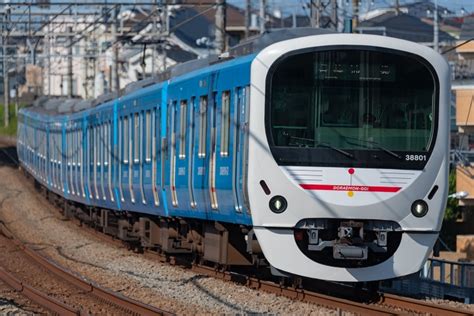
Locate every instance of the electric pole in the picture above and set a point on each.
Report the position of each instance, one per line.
(69, 64)
(248, 8)
(355, 14)
(154, 9)
(115, 53)
(435, 28)
(220, 26)
(315, 13)
(6, 90)
(334, 13)
(164, 33)
(263, 9)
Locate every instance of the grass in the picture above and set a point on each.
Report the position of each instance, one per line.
(11, 129)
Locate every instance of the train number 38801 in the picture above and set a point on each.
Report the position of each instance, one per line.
(415, 157)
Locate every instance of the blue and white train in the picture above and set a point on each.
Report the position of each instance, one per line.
(323, 156)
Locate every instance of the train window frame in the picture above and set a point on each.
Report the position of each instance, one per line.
(148, 136)
(225, 123)
(97, 143)
(106, 144)
(136, 137)
(285, 155)
(182, 128)
(203, 104)
(125, 139)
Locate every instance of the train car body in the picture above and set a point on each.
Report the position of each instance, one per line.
(327, 154)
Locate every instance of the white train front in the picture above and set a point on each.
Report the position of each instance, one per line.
(348, 155)
(324, 156)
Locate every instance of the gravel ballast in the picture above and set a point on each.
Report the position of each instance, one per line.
(170, 288)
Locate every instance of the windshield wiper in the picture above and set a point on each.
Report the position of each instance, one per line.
(317, 144)
(374, 144)
(345, 153)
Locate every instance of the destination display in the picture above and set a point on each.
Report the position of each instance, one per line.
(354, 71)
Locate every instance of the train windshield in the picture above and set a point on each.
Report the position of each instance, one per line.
(338, 105)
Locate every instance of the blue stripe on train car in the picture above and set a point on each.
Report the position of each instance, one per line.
(229, 207)
(191, 172)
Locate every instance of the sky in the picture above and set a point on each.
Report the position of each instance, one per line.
(290, 5)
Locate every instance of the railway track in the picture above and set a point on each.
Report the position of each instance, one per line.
(103, 300)
(386, 304)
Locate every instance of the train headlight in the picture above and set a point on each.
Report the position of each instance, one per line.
(278, 204)
(419, 208)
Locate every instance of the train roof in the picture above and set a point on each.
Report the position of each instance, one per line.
(61, 105)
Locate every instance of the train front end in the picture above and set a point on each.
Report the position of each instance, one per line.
(348, 155)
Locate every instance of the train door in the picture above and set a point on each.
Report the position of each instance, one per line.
(101, 143)
(171, 165)
(167, 167)
(77, 151)
(63, 159)
(193, 115)
(241, 150)
(95, 163)
(69, 158)
(136, 165)
(212, 153)
(223, 158)
(144, 155)
(107, 164)
(155, 154)
(181, 172)
(110, 161)
(200, 154)
(126, 165)
(147, 173)
(88, 159)
(81, 159)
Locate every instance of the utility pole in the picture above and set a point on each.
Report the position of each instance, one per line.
(263, 9)
(315, 13)
(355, 14)
(220, 26)
(435, 28)
(397, 7)
(334, 14)
(16, 100)
(248, 9)
(115, 80)
(164, 33)
(69, 64)
(154, 8)
(49, 59)
(6, 91)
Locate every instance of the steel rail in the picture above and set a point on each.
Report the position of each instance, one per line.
(300, 294)
(118, 300)
(37, 296)
(420, 306)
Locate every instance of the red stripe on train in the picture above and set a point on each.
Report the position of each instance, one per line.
(357, 188)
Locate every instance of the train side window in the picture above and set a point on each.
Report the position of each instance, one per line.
(225, 123)
(97, 144)
(148, 136)
(202, 127)
(79, 144)
(136, 139)
(125, 139)
(182, 129)
(106, 144)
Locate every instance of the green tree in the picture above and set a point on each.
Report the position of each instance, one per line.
(452, 207)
